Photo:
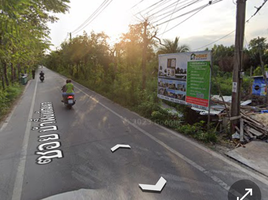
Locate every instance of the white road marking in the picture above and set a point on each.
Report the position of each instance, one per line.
(157, 187)
(22, 160)
(120, 146)
(214, 154)
(189, 161)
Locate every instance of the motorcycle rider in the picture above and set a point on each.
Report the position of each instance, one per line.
(42, 74)
(67, 89)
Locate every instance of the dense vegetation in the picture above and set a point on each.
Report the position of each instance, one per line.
(127, 72)
(23, 41)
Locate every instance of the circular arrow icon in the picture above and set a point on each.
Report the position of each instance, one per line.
(244, 190)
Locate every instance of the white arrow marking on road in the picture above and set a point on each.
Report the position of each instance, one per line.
(157, 187)
(120, 146)
(249, 191)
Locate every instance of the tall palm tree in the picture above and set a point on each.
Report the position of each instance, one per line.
(172, 47)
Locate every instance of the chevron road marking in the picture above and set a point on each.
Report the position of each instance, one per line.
(120, 146)
(156, 188)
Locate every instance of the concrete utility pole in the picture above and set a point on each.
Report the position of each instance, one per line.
(238, 55)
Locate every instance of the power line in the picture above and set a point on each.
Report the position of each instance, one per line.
(136, 4)
(96, 13)
(171, 15)
(186, 13)
(168, 12)
(215, 41)
(90, 16)
(258, 9)
(185, 19)
(150, 7)
(163, 3)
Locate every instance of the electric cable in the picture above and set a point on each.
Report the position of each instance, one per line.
(181, 15)
(185, 19)
(178, 8)
(149, 7)
(186, 13)
(96, 13)
(215, 41)
(258, 9)
(171, 16)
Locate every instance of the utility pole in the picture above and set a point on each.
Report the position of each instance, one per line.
(70, 36)
(238, 55)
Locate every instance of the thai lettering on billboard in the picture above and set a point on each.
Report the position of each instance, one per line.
(185, 78)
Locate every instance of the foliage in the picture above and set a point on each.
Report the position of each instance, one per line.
(172, 47)
(258, 71)
(24, 34)
(8, 96)
(198, 131)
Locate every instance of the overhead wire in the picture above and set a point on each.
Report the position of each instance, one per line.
(171, 15)
(185, 19)
(136, 4)
(258, 9)
(181, 15)
(150, 6)
(214, 41)
(93, 16)
(161, 4)
(177, 9)
(90, 16)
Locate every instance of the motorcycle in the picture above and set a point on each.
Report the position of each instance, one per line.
(69, 101)
(42, 78)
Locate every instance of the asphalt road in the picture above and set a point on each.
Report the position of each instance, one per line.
(50, 152)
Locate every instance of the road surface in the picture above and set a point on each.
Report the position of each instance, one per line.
(50, 152)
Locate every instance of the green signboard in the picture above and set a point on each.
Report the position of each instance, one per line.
(198, 78)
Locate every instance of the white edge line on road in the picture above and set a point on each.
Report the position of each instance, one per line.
(16, 195)
(192, 163)
(256, 176)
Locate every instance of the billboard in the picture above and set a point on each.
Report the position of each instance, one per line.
(185, 78)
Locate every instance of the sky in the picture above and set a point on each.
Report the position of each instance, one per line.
(206, 26)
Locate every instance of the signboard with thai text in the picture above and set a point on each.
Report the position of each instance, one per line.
(185, 78)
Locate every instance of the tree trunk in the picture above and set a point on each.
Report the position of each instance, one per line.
(144, 55)
(19, 71)
(12, 73)
(2, 79)
(5, 73)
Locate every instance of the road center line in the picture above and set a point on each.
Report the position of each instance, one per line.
(16, 195)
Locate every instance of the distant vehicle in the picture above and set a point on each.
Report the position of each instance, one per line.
(42, 76)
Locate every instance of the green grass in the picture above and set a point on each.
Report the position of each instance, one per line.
(8, 97)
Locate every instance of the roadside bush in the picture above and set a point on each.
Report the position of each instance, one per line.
(7, 97)
(13, 92)
(199, 132)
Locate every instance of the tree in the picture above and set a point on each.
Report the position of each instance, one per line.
(172, 47)
(258, 49)
(24, 33)
(138, 43)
